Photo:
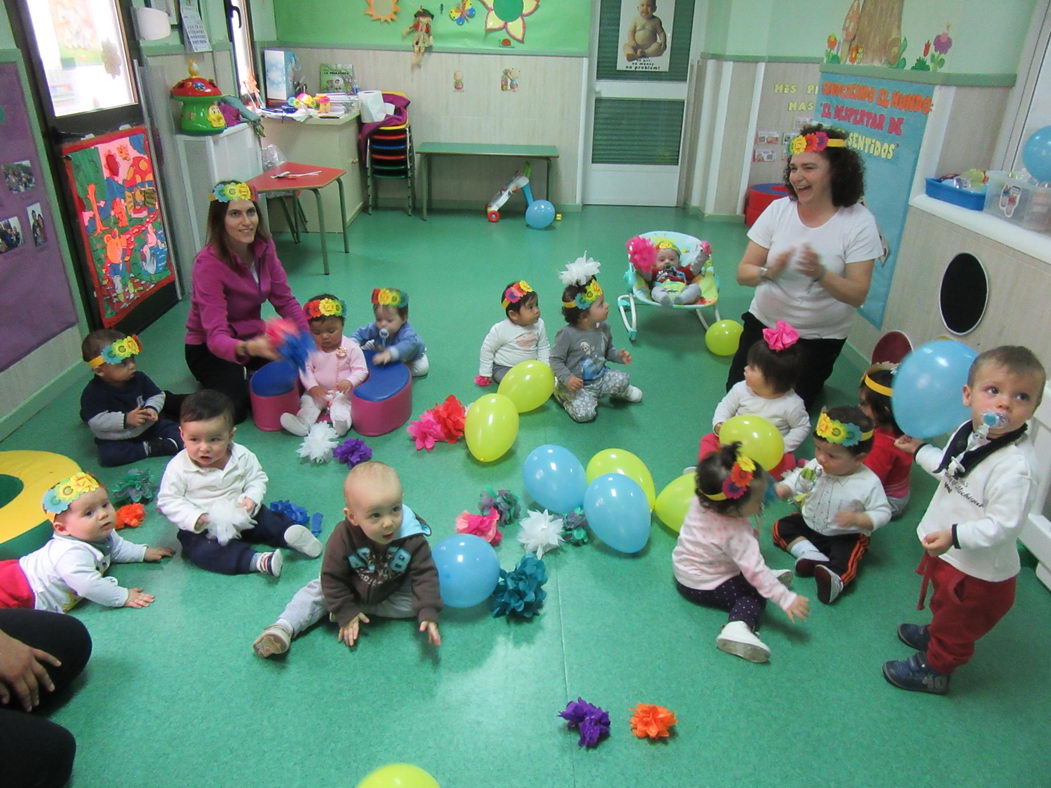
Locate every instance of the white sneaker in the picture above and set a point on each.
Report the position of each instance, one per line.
(341, 427)
(784, 577)
(292, 423)
(737, 639)
(301, 540)
(632, 394)
(689, 469)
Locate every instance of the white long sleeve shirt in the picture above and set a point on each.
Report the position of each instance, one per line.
(188, 491)
(787, 412)
(508, 344)
(826, 495)
(66, 570)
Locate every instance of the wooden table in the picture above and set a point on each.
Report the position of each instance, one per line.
(427, 150)
(292, 176)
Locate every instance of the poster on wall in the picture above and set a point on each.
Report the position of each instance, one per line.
(645, 35)
(886, 121)
(115, 193)
(35, 300)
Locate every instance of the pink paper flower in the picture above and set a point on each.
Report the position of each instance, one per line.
(642, 254)
(425, 431)
(781, 337)
(483, 525)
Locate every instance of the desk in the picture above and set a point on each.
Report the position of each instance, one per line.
(428, 149)
(311, 178)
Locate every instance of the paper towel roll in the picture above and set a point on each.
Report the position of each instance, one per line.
(153, 23)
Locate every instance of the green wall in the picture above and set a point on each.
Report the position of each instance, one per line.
(556, 27)
(7, 39)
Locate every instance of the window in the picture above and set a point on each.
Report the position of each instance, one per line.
(244, 61)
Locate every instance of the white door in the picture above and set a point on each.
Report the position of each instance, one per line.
(638, 102)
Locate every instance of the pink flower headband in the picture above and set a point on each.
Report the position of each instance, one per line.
(515, 293)
(781, 337)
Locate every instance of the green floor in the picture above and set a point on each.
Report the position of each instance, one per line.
(174, 696)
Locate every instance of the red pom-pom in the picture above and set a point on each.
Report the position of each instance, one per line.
(130, 516)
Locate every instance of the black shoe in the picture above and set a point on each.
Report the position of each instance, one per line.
(914, 636)
(829, 584)
(915, 674)
(162, 447)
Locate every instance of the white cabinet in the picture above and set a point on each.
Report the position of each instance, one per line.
(233, 154)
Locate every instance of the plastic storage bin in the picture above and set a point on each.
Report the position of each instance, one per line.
(1018, 200)
(946, 192)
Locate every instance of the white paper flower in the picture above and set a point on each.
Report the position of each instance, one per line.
(226, 520)
(580, 271)
(317, 446)
(540, 532)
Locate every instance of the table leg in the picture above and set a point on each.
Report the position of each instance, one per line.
(343, 214)
(547, 181)
(321, 226)
(426, 183)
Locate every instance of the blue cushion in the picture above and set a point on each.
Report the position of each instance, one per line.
(384, 381)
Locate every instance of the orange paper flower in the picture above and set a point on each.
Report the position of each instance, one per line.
(130, 516)
(650, 721)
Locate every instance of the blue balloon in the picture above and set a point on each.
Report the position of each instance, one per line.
(540, 214)
(554, 478)
(1036, 154)
(928, 388)
(275, 378)
(618, 512)
(467, 569)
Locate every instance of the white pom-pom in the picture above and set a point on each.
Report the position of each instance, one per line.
(540, 532)
(226, 520)
(317, 446)
(580, 271)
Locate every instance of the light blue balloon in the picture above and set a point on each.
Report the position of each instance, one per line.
(467, 569)
(618, 512)
(928, 388)
(540, 214)
(554, 478)
(1036, 154)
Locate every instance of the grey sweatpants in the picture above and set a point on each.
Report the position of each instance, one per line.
(307, 606)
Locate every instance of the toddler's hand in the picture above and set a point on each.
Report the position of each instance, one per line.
(937, 543)
(845, 517)
(247, 504)
(625, 357)
(348, 633)
(431, 627)
(138, 598)
(381, 358)
(157, 553)
(151, 414)
(202, 523)
(482, 380)
(782, 491)
(319, 395)
(717, 427)
(574, 383)
(136, 417)
(908, 443)
(799, 609)
(344, 386)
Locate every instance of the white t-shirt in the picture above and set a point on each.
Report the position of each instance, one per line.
(850, 236)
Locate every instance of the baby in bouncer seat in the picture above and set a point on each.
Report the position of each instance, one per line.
(670, 271)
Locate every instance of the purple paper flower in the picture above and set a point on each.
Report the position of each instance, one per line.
(591, 721)
(352, 451)
(503, 501)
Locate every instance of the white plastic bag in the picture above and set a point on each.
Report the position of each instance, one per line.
(373, 108)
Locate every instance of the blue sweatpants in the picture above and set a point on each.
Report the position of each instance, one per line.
(235, 557)
(131, 450)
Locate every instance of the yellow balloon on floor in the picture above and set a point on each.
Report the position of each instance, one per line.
(759, 439)
(528, 384)
(399, 775)
(674, 501)
(723, 337)
(490, 427)
(625, 463)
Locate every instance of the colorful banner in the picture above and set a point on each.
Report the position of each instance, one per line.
(886, 120)
(115, 193)
(35, 300)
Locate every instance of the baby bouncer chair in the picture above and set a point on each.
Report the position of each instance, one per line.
(694, 254)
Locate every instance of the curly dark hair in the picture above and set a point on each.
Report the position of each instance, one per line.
(847, 169)
(712, 470)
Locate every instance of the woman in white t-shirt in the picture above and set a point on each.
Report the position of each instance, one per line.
(810, 256)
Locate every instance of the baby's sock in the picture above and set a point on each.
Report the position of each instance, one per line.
(804, 548)
(268, 563)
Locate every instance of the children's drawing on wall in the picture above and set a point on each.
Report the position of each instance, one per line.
(509, 15)
(871, 35)
(462, 12)
(35, 217)
(421, 34)
(509, 80)
(646, 37)
(18, 176)
(382, 10)
(120, 219)
(458, 81)
(10, 234)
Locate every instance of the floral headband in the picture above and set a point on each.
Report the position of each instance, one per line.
(389, 296)
(586, 297)
(814, 143)
(318, 308)
(515, 293)
(58, 498)
(117, 351)
(735, 485)
(781, 337)
(225, 192)
(840, 432)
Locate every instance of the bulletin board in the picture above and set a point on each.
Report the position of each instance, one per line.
(36, 303)
(119, 219)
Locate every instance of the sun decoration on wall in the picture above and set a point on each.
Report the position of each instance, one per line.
(382, 10)
(509, 15)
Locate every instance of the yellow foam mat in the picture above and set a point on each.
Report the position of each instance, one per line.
(37, 470)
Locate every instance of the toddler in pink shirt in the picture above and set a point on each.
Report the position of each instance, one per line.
(332, 371)
(717, 562)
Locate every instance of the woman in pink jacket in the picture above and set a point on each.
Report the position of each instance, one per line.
(233, 275)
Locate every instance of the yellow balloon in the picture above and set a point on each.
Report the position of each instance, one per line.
(490, 427)
(759, 439)
(398, 775)
(528, 384)
(674, 501)
(723, 337)
(625, 463)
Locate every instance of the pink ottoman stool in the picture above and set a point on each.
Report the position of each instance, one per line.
(273, 390)
(383, 402)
